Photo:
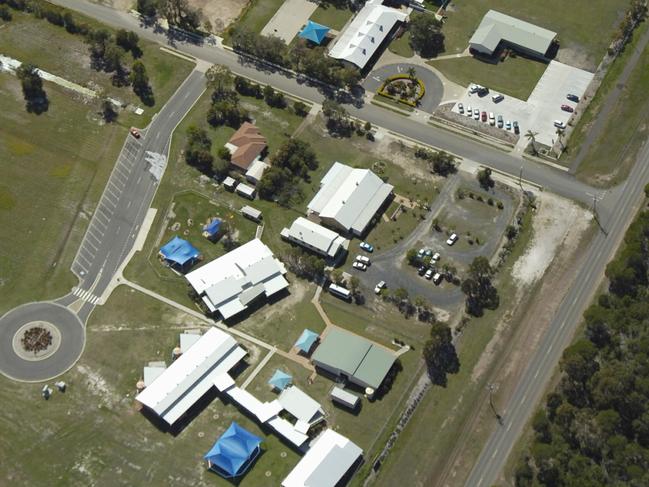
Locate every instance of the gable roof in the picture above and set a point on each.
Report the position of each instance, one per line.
(350, 196)
(316, 236)
(363, 35)
(496, 26)
(248, 143)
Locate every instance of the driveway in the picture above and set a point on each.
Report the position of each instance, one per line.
(434, 87)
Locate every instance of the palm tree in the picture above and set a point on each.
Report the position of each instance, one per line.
(559, 133)
(412, 73)
(531, 136)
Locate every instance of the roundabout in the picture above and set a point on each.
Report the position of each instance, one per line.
(39, 341)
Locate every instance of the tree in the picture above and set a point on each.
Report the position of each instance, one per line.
(179, 13)
(337, 118)
(559, 132)
(442, 163)
(108, 112)
(226, 113)
(33, 92)
(478, 288)
(412, 257)
(198, 149)
(148, 8)
(300, 109)
(140, 81)
(128, 41)
(511, 232)
(412, 73)
(219, 78)
(426, 37)
(531, 136)
(5, 13)
(440, 355)
(273, 98)
(485, 180)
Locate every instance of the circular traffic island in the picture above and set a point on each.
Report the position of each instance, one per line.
(39, 341)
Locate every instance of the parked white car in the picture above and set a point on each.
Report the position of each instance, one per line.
(452, 239)
(381, 285)
(359, 265)
(435, 257)
(363, 259)
(437, 278)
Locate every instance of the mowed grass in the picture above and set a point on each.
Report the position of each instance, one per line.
(516, 76)
(94, 435)
(67, 56)
(257, 14)
(401, 46)
(332, 17)
(611, 157)
(53, 170)
(584, 27)
(277, 125)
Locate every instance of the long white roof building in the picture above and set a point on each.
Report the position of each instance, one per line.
(188, 378)
(326, 462)
(230, 283)
(363, 36)
(315, 237)
(348, 198)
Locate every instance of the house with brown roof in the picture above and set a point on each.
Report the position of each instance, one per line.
(246, 146)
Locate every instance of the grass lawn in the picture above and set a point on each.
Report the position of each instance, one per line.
(276, 125)
(516, 76)
(105, 439)
(401, 46)
(431, 434)
(332, 17)
(386, 234)
(257, 14)
(611, 157)
(67, 56)
(584, 27)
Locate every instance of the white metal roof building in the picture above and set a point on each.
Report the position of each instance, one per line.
(230, 283)
(349, 198)
(188, 378)
(315, 237)
(497, 27)
(363, 35)
(326, 462)
(301, 405)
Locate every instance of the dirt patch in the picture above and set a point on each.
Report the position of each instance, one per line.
(98, 386)
(558, 222)
(220, 13)
(577, 57)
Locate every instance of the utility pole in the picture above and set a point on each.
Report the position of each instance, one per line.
(491, 388)
(596, 198)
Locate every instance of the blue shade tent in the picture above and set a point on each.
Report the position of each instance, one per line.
(233, 452)
(212, 228)
(306, 340)
(314, 32)
(280, 380)
(179, 251)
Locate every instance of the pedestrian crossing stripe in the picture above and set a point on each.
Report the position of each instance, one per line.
(85, 295)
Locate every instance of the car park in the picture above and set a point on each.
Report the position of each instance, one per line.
(452, 239)
(572, 97)
(435, 257)
(359, 265)
(429, 274)
(437, 278)
(460, 108)
(492, 118)
(422, 270)
(363, 259)
(567, 108)
(508, 125)
(516, 127)
(559, 124)
(483, 115)
(366, 247)
(380, 286)
(476, 114)
(497, 98)
(135, 132)
(500, 121)
(469, 111)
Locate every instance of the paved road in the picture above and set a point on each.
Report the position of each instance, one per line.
(551, 179)
(534, 380)
(434, 88)
(73, 337)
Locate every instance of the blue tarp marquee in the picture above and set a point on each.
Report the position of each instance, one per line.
(179, 251)
(314, 32)
(212, 228)
(280, 380)
(306, 340)
(233, 452)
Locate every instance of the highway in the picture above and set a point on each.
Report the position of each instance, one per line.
(615, 211)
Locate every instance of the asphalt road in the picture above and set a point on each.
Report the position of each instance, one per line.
(551, 179)
(542, 363)
(73, 337)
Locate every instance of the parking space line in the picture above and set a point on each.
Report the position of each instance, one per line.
(88, 252)
(99, 222)
(118, 170)
(81, 268)
(95, 238)
(89, 263)
(115, 182)
(117, 190)
(112, 203)
(119, 177)
(112, 193)
(94, 247)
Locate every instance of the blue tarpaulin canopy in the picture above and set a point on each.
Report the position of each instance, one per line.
(179, 251)
(314, 32)
(233, 452)
(306, 340)
(280, 380)
(212, 228)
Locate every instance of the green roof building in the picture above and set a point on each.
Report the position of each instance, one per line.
(353, 357)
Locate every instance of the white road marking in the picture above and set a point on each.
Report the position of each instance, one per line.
(536, 374)
(128, 205)
(138, 180)
(509, 426)
(111, 193)
(87, 261)
(91, 244)
(524, 398)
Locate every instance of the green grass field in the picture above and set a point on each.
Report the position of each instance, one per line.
(257, 14)
(516, 76)
(584, 27)
(94, 435)
(332, 17)
(401, 46)
(611, 157)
